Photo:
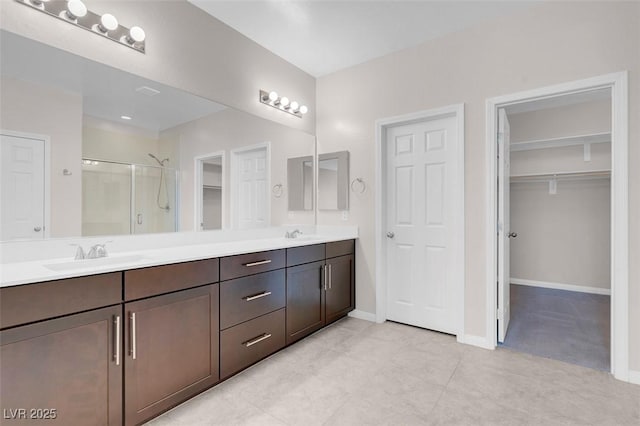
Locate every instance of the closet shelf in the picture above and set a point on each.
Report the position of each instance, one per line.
(560, 142)
(543, 177)
(211, 187)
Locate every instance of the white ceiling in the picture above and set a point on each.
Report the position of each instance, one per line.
(107, 93)
(323, 36)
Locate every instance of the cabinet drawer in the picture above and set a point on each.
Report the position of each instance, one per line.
(340, 248)
(35, 302)
(306, 254)
(249, 342)
(145, 282)
(253, 263)
(249, 297)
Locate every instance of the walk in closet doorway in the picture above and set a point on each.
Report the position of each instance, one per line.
(560, 228)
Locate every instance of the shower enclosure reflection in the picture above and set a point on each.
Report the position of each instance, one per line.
(122, 198)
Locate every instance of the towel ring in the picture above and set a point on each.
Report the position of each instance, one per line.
(277, 190)
(358, 186)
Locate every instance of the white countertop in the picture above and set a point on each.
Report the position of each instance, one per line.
(16, 273)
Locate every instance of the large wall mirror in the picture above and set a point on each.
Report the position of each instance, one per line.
(91, 150)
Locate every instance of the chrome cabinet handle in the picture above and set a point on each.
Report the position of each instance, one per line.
(330, 276)
(258, 339)
(116, 324)
(324, 276)
(261, 262)
(37, 229)
(257, 296)
(390, 234)
(512, 234)
(132, 323)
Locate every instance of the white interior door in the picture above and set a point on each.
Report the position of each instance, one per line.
(504, 174)
(22, 188)
(420, 174)
(252, 202)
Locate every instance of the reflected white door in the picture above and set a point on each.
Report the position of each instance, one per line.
(420, 233)
(251, 195)
(22, 188)
(504, 224)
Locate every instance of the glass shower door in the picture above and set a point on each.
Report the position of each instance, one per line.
(154, 195)
(106, 198)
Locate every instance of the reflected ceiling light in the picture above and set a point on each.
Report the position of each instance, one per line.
(125, 117)
(282, 103)
(75, 9)
(76, 13)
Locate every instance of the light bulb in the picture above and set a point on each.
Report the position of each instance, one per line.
(304, 109)
(294, 106)
(284, 101)
(136, 35)
(76, 9)
(108, 22)
(273, 96)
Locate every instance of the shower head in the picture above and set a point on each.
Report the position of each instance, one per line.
(158, 160)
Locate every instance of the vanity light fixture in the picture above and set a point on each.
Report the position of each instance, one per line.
(282, 103)
(75, 12)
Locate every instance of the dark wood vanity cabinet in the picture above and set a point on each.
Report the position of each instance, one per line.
(321, 291)
(123, 347)
(171, 346)
(64, 371)
(340, 293)
(252, 309)
(305, 300)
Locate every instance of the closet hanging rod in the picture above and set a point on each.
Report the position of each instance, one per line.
(590, 173)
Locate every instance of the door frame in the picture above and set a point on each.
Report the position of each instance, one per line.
(458, 227)
(618, 83)
(235, 181)
(46, 173)
(198, 164)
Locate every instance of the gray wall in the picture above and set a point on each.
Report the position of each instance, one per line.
(563, 238)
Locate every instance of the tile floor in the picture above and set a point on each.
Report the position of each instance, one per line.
(360, 373)
(564, 325)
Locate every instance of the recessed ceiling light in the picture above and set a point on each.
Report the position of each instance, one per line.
(125, 117)
(145, 90)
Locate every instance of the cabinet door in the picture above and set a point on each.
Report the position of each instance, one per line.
(305, 300)
(66, 371)
(172, 350)
(340, 297)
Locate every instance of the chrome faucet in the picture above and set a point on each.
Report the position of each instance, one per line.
(97, 251)
(293, 234)
(79, 252)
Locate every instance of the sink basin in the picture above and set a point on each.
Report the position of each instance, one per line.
(92, 263)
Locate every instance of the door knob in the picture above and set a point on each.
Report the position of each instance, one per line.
(390, 234)
(37, 229)
(512, 234)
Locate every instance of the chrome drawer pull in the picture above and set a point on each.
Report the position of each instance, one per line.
(255, 340)
(116, 355)
(257, 296)
(261, 262)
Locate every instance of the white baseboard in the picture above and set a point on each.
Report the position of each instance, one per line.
(479, 341)
(634, 377)
(561, 286)
(367, 316)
